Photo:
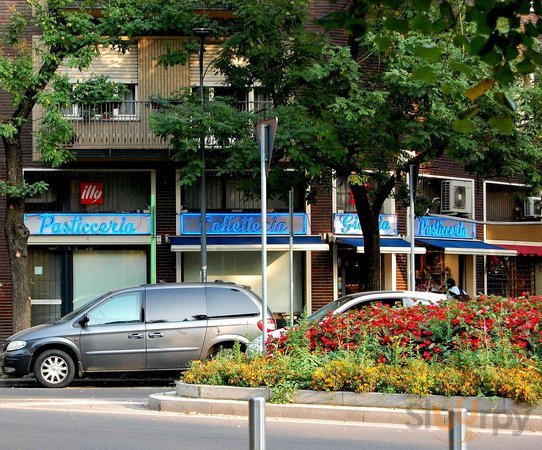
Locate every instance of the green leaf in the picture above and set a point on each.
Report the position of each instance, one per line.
(469, 112)
(394, 24)
(425, 74)
(484, 5)
(422, 24)
(431, 54)
(383, 43)
(419, 5)
(459, 67)
(447, 88)
(526, 67)
(492, 58)
(477, 43)
(504, 124)
(464, 126)
(460, 40)
(531, 30)
(534, 56)
(504, 74)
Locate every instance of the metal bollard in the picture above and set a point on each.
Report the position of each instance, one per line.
(457, 429)
(256, 423)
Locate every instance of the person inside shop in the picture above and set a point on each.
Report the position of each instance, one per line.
(453, 292)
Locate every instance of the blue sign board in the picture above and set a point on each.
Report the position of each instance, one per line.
(348, 224)
(243, 223)
(444, 228)
(61, 224)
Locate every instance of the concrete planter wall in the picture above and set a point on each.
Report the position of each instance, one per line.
(493, 405)
(410, 410)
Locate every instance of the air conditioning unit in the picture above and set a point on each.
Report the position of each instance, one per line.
(456, 197)
(532, 207)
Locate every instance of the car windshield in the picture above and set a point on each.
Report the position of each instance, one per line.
(79, 310)
(325, 310)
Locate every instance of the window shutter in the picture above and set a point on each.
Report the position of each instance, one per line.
(210, 75)
(119, 67)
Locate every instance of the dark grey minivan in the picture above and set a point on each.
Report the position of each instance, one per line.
(145, 328)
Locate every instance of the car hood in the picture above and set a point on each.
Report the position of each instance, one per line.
(37, 332)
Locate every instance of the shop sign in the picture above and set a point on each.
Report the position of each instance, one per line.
(88, 224)
(348, 223)
(438, 227)
(243, 223)
(92, 193)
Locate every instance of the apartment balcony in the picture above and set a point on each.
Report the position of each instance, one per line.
(126, 126)
(114, 126)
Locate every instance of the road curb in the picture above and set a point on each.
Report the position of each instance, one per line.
(411, 411)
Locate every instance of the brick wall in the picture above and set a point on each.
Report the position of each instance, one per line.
(321, 262)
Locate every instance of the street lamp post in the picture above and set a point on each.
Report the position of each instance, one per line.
(202, 33)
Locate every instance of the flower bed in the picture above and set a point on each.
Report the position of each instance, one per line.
(488, 347)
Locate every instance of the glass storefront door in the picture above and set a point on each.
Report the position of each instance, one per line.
(45, 280)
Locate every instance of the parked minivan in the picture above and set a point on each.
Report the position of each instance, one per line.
(146, 328)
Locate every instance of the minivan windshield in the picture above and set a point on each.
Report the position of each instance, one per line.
(79, 310)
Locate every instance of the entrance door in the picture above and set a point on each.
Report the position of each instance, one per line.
(45, 280)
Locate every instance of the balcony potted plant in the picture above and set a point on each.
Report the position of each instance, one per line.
(98, 96)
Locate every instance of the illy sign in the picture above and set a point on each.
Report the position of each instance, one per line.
(92, 193)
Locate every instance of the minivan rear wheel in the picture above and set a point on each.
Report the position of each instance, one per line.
(54, 369)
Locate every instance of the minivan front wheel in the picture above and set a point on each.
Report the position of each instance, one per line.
(54, 369)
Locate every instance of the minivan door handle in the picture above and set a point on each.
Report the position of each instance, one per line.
(156, 335)
(135, 336)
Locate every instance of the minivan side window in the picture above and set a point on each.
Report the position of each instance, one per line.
(175, 305)
(223, 302)
(118, 309)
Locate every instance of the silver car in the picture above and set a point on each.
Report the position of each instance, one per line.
(145, 328)
(354, 302)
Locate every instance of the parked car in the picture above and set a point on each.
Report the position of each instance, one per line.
(354, 302)
(145, 328)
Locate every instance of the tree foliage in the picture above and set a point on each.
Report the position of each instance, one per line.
(35, 39)
(406, 83)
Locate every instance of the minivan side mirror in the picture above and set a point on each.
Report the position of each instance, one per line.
(83, 320)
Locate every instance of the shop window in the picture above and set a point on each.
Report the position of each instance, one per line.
(506, 203)
(122, 191)
(510, 276)
(432, 273)
(227, 193)
(345, 199)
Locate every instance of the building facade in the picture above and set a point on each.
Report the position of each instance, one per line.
(117, 216)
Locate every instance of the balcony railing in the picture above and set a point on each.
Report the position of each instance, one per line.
(114, 126)
(124, 125)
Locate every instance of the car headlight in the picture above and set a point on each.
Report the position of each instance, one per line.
(15, 345)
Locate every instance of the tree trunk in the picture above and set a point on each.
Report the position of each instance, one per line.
(17, 237)
(371, 235)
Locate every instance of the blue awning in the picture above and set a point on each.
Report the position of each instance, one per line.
(466, 247)
(247, 243)
(387, 245)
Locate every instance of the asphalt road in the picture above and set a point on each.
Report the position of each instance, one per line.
(113, 414)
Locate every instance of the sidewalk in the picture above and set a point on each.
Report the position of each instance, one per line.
(410, 410)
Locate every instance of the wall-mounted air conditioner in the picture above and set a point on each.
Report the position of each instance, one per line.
(456, 197)
(532, 207)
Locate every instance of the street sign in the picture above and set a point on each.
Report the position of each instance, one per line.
(265, 136)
